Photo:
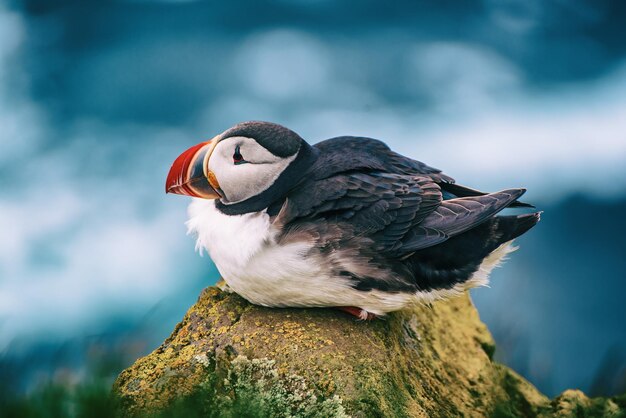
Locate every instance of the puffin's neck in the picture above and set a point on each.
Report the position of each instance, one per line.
(287, 180)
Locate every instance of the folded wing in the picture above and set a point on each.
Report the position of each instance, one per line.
(399, 213)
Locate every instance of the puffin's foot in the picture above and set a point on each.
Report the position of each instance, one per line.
(358, 312)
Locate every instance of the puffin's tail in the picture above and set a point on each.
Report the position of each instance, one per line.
(466, 260)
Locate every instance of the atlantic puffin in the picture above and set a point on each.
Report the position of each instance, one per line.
(344, 223)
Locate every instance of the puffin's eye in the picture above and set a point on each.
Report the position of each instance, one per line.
(237, 157)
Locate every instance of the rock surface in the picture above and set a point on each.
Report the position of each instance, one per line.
(230, 358)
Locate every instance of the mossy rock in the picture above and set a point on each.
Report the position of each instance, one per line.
(228, 358)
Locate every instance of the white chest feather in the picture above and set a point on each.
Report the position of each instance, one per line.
(253, 264)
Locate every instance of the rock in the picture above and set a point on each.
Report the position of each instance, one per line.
(574, 403)
(230, 358)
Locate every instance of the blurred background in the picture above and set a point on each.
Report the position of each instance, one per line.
(97, 98)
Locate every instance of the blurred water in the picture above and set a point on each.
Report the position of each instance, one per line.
(98, 98)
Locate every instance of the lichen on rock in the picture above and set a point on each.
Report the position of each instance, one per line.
(257, 385)
(228, 358)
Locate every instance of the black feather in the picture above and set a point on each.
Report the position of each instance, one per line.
(457, 190)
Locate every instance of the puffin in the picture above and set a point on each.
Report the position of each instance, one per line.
(345, 223)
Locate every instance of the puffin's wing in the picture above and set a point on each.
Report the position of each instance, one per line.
(381, 206)
(399, 213)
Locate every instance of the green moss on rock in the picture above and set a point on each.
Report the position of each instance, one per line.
(228, 358)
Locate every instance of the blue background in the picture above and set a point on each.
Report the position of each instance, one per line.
(97, 98)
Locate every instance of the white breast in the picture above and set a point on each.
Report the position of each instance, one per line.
(245, 251)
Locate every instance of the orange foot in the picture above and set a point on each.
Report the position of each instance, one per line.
(358, 312)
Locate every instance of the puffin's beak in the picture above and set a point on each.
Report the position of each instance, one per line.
(190, 173)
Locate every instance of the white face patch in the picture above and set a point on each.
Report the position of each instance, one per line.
(242, 181)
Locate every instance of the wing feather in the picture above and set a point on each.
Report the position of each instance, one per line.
(382, 206)
(399, 213)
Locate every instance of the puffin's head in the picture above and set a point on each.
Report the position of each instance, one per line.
(235, 165)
